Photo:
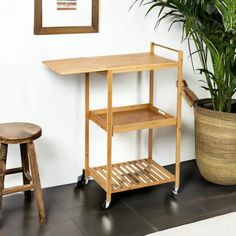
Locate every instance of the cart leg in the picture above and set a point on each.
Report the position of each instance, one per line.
(150, 131)
(87, 80)
(178, 126)
(84, 178)
(109, 140)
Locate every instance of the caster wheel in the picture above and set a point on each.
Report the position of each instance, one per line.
(106, 205)
(175, 191)
(81, 180)
(86, 181)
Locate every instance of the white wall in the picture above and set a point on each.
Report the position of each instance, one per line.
(30, 92)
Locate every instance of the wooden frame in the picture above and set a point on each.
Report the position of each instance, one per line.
(40, 30)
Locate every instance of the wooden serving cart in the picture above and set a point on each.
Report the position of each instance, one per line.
(135, 174)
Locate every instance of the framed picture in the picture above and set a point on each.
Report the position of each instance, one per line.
(66, 16)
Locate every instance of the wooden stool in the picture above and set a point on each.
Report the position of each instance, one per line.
(23, 134)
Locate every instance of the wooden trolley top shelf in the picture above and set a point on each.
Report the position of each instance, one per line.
(115, 63)
(136, 117)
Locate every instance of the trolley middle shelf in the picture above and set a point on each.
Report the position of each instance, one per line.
(132, 175)
(134, 117)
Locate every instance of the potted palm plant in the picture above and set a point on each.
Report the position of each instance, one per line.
(211, 25)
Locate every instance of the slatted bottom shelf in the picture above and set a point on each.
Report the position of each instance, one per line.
(132, 175)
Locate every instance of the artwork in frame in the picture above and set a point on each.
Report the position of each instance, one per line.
(66, 16)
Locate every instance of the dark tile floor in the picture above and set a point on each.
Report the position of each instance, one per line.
(139, 212)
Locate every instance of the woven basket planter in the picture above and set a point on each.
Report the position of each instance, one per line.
(215, 143)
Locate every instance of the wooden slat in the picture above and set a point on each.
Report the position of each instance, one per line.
(145, 172)
(138, 174)
(14, 171)
(115, 175)
(119, 177)
(135, 179)
(123, 177)
(144, 125)
(132, 182)
(148, 167)
(114, 184)
(122, 109)
(162, 170)
(97, 178)
(17, 189)
(169, 48)
(160, 175)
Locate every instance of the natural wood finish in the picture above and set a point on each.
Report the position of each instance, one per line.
(134, 117)
(152, 48)
(93, 172)
(22, 188)
(38, 22)
(3, 160)
(178, 125)
(86, 123)
(133, 179)
(25, 166)
(36, 182)
(14, 171)
(23, 134)
(122, 109)
(168, 48)
(115, 63)
(18, 132)
(151, 101)
(109, 121)
(134, 174)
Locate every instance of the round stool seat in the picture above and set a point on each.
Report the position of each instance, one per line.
(19, 132)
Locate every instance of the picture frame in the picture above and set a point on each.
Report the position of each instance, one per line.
(40, 29)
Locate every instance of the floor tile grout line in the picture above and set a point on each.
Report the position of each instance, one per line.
(136, 213)
(77, 224)
(69, 217)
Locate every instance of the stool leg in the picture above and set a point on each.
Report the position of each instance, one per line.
(3, 160)
(36, 182)
(25, 166)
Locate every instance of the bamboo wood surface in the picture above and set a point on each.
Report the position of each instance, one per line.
(109, 122)
(116, 63)
(87, 80)
(133, 117)
(151, 101)
(133, 175)
(178, 125)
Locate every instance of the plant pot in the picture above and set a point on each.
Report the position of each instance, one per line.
(215, 143)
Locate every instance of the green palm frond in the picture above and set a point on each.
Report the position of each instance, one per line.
(211, 24)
